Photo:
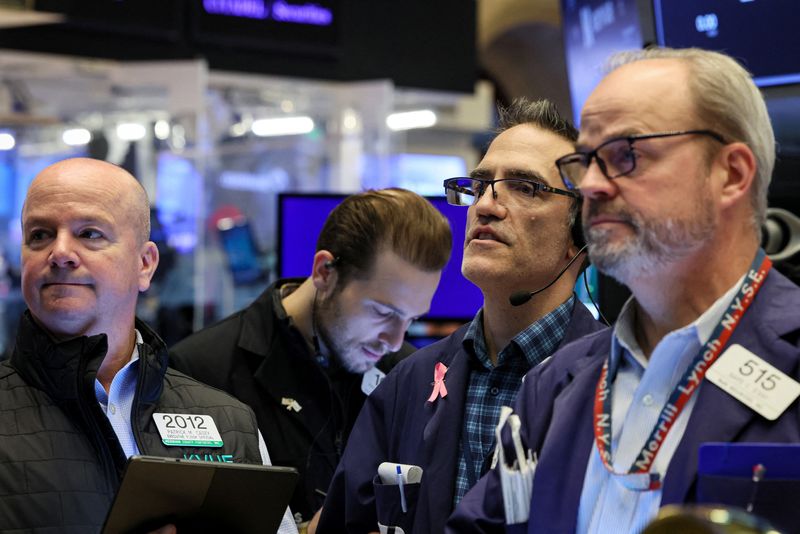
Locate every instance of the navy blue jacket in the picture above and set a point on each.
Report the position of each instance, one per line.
(555, 405)
(398, 424)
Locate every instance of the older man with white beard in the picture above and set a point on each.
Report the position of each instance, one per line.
(674, 159)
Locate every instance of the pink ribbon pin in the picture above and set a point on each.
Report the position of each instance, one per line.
(439, 389)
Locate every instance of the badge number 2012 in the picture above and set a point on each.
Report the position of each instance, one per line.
(184, 421)
(187, 430)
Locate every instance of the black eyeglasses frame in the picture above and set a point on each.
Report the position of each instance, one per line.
(586, 157)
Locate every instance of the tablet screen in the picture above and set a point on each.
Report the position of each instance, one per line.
(200, 496)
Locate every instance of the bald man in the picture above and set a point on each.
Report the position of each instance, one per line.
(87, 381)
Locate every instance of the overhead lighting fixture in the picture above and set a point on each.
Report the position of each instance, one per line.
(76, 136)
(7, 141)
(282, 126)
(130, 131)
(239, 129)
(408, 120)
(161, 129)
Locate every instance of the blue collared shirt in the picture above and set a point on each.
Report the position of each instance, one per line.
(492, 387)
(640, 391)
(118, 403)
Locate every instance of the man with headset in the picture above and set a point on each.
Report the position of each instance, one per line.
(675, 156)
(438, 408)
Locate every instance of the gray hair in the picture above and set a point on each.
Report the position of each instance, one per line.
(727, 99)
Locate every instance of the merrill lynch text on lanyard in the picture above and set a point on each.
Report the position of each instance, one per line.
(642, 479)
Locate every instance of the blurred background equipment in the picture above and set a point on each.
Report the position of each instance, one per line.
(707, 520)
(781, 240)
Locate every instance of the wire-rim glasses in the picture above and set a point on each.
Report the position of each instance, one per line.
(467, 191)
(614, 157)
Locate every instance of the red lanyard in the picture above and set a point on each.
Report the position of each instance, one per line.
(683, 390)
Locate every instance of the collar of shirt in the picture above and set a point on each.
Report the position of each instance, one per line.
(291, 334)
(342, 380)
(702, 328)
(536, 342)
(118, 402)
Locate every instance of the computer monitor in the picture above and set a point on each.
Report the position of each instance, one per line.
(762, 35)
(301, 217)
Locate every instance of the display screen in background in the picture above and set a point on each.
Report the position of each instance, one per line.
(293, 26)
(301, 218)
(242, 253)
(178, 200)
(762, 34)
(593, 30)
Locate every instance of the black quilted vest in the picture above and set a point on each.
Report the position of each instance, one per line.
(60, 461)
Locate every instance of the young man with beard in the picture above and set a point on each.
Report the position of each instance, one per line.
(308, 351)
(438, 408)
(675, 157)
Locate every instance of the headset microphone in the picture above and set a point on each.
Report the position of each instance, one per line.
(521, 297)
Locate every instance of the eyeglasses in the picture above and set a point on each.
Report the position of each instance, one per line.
(467, 191)
(615, 157)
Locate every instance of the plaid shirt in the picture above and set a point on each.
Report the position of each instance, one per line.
(491, 387)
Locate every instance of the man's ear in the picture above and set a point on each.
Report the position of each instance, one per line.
(572, 250)
(323, 273)
(739, 164)
(148, 258)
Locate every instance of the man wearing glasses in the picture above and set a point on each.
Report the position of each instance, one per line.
(674, 159)
(438, 409)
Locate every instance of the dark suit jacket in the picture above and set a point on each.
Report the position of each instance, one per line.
(256, 356)
(555, 405)
(398, 424)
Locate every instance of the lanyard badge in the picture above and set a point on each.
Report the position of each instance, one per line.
(639, 477)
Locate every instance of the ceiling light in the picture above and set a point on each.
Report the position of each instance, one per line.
(282, 126)
(76, 136)
(408, 120)
(161, 129)
(130, 131)
(7, 141)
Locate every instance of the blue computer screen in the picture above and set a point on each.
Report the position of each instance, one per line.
(761, 34)
(301, 217)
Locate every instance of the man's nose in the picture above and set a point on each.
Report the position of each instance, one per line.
(62, 252)
(595, 184)
(393, 336)
(487, 205)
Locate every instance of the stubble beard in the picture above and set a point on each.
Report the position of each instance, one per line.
(654, 244)
(328, 318)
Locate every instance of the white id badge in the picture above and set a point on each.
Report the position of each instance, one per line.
(754, 382)
(371, 379)
(187, 430)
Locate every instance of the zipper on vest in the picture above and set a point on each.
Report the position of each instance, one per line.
(136, 408)
(96, 434)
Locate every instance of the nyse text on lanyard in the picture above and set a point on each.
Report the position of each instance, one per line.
(639, 476)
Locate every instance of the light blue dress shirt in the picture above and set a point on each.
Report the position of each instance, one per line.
(117, 405)
(640, 391)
